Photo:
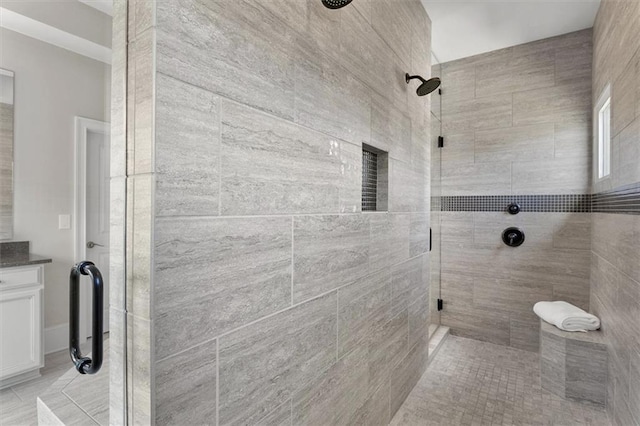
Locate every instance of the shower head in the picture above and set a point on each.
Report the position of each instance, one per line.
(336, 4)
(427, 86)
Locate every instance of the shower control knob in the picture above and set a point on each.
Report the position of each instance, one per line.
(513, 237)
(514, 208)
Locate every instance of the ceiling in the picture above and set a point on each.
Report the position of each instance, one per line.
(464, 28)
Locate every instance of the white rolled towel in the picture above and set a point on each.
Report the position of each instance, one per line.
(566, 316)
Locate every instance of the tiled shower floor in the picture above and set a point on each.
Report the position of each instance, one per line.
(477, 383)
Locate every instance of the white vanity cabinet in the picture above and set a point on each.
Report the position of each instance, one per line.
(21, 323)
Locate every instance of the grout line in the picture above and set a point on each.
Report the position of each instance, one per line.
(16, 393)
(511, 177)
(555, 146)
(319, 296)
(272, 115)
(512, 99)
(217, 382)
(63, 392)
(337, 325)
(219, 157)
(286, 215)
(292, 254)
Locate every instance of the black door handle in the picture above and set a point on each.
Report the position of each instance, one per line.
(86, 365)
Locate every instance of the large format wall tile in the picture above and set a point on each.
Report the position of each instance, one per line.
(421, 147)
(406, 374)
(488, 228)
(616, 238)
(509, 296)
(272, 166)
(187, 149)
(477, 179)
(140, 91)
(626, 167)
(186, 386)
(330, 100)
(584, 372)
(389, 239)
(573, 139)
(393, 22)
(478, 324)
(390, 129)
(575, 59)
(557, 104)
(334, 398)
(460, 80)
(265, 267)
(634, 385)
(230, 48)
(409, 282)
(387, 345)
(366, 55)
(419, 319)
(329, 252)
(281, 416)
(213, 275)
(559, 176)
(360, 305)
(460, 149)
(419, 234)
(513, 72)
(624, 96)
(264, 364)
(552, 363)
(490, 112)
(489, 289)
(408, 187)
(615, 270)
(375, 410)
(524, 143)
(525, 335)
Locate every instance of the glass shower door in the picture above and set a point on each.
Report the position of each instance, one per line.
(436, 191)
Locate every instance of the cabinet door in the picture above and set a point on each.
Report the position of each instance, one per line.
(20, 339)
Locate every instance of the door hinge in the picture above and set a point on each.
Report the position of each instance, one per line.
(440, 304)
(439, 91)
(430, 239)
(440, 141)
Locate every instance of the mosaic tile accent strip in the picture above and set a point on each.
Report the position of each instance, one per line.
(565, 203)
(623, 200)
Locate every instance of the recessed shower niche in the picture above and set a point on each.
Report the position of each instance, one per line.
(375, 179)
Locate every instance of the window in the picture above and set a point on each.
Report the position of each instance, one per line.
(603, 133)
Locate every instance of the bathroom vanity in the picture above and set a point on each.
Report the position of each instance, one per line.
(21, 313)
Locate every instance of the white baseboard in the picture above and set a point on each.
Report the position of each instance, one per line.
(56, 338)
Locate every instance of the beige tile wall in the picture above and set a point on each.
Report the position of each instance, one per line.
(269, 297)
(489, 289)
(615, 270)
(117, 216)
(515, 121)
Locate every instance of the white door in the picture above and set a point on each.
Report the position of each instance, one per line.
(97, 213)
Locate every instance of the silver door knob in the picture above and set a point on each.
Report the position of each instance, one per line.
(91, 244)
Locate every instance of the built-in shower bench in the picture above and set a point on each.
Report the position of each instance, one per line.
(573, 365)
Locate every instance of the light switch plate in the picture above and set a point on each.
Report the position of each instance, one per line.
(64, 221)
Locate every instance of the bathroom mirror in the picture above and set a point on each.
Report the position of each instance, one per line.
(6, 154)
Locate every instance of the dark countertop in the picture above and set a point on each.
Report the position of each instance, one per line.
(22, 260)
